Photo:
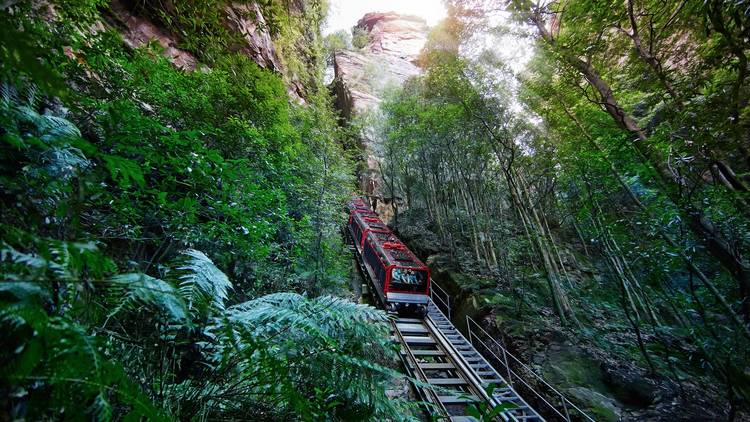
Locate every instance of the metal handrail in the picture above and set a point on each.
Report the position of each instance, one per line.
(504, 415)
(437, 292)
(564, 400)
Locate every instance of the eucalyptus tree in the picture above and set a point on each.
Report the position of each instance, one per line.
(456, 128)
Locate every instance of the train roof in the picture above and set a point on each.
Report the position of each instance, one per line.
(358, 204)
(394, 252)
(370, 221)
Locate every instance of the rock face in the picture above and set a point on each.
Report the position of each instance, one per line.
(361, 77)
(137, 31)
(248, 21)
(394, 35)
(245, 19)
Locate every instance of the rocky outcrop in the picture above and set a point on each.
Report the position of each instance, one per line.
(389, 58)
(395, 36)
(248, 21)
(137, 31)
(245, 19)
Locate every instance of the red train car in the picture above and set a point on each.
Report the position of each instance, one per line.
(400, 280)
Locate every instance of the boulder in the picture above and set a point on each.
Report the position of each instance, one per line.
(597, 405)
(631, 386)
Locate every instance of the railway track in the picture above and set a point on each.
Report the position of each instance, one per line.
(449, 374)
(435, 353)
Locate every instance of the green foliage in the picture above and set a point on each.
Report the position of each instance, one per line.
(483, 412)
(198, 24)
(644, 225)
(338, 41)
(333, 43)
(133, 291)
(360, 37)
(101, 193)
(203, 286)
(53, 365)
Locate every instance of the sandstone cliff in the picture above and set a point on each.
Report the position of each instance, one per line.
(361, 78)
(244, 19)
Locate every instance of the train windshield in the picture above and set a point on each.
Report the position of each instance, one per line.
(408, 280)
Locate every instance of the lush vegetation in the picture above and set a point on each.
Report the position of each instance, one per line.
(170, 239)
(620, 152)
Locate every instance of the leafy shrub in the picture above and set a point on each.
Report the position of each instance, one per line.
(108, 197)
(360, 37)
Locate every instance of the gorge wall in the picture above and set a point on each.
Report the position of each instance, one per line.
(245, 21)
(363, 77)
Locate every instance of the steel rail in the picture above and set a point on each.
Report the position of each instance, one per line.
(454, 371)
(412, 365)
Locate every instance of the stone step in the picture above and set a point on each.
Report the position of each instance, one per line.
(446, 381)
(436, 365)
(419, 340)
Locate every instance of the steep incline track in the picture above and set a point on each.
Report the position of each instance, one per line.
(435, 353)
(449, 371)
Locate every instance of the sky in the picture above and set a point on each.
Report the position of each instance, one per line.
(345, 13)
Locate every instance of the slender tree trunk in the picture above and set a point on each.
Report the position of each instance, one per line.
(715, 245)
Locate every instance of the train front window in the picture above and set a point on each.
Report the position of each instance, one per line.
(408, 280)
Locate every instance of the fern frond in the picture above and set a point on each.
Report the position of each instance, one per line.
(59, 356)
(100, 408)
(27, 115)
(22, 291)
(35, 266)
(9, 95)
(63, 163)
(203, 286)
(136, 289)
(32, 95)
(275, 313)
(53, 129)
(29, 259)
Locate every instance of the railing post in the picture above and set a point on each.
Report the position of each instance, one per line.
(565, 407)
(507, 366)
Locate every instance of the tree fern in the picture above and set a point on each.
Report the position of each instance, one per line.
(62, 371)
(135, 289)
(51, 129)
(64, 162)
(203, 286)
(284, 341)
(32, 266)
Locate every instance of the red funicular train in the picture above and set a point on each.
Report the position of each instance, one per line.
(400, 279)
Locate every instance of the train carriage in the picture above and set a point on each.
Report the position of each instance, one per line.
(358, 204)
(362, 223)
(400, 280)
